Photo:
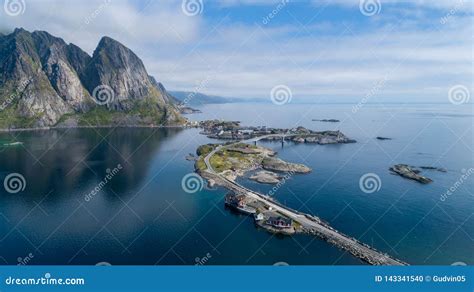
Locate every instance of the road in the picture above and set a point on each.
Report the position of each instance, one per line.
(310, 223)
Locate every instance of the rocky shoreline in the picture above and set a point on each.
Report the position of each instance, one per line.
(276, 164)
(95, 127)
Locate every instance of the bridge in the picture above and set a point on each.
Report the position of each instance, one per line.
(256, 139)
(310, 224)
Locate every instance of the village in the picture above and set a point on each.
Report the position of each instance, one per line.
(232, 130)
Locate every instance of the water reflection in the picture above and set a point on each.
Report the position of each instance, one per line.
(59, 161)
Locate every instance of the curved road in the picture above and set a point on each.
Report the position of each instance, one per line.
(308, 222)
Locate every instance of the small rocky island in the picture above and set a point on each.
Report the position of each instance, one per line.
(440, 169)
(326, 120)
(409, 172)
(276, 164)
(266, 177)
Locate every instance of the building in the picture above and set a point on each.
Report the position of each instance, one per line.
(235, 200)
(239, 202)
(279, 222)
(259, 217)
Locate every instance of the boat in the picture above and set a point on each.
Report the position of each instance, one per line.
(12, 144)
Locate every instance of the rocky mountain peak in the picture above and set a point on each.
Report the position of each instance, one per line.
(61, 78)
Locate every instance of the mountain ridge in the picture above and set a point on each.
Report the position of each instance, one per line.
(194, 98)
(45, 82)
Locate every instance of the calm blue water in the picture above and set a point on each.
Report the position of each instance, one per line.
(143, 216)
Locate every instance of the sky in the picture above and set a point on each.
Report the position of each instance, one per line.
(321, 50)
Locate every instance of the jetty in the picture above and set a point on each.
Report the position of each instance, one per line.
(309, 224)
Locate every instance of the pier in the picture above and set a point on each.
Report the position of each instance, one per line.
(310, 224)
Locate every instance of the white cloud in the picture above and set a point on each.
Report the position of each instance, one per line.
(85, 22)
(435, 4)
(420, 57)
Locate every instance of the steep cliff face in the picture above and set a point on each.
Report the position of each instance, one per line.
(77, 58)
(53, 53)
(118, 67)
(26, 95)
(42, 78)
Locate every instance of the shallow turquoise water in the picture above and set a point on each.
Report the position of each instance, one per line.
(143, 216)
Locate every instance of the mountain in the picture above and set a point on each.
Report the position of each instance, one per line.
(196, 98)
(45, 82)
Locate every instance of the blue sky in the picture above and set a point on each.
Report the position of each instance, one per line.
(335, 51)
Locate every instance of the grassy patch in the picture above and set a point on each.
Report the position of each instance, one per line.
(10, 119)
(200, 164)
(220, 162)
(230, 160)
(99, 116)
(149, 112)
(203, 150)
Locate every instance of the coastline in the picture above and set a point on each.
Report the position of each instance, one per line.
(93, 127)
(308, 224)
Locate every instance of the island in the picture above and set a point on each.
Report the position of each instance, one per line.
(232, 130)
(409, 172)
(233, 160)
(326, 120)
(221, 164)
(440, 169)
(266, 177)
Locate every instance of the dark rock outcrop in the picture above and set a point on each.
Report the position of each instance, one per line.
(276, 164)
(407, 171)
